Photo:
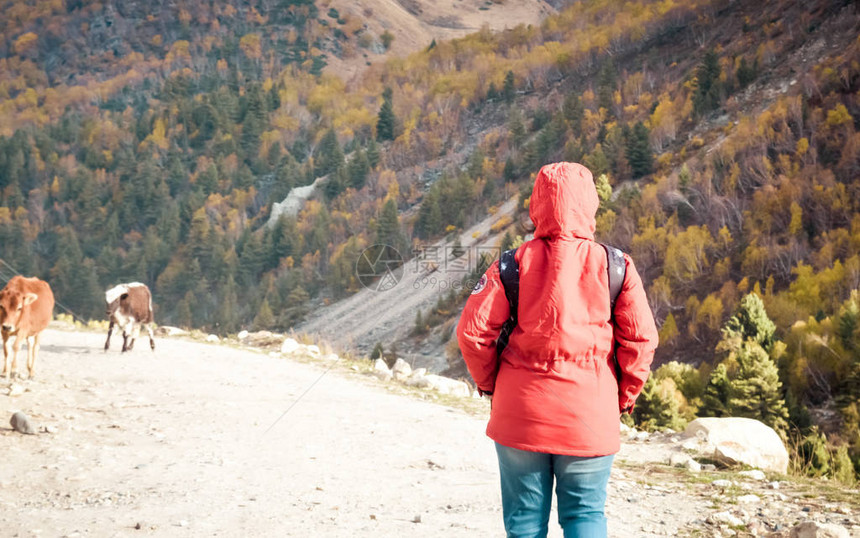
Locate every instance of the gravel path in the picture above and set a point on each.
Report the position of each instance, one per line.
(175, 443)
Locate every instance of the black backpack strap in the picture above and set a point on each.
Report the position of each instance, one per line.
(509, 273)
(617, 268)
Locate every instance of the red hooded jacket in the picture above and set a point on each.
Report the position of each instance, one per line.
(554, 388)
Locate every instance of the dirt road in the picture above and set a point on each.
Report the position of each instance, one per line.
(174, 443)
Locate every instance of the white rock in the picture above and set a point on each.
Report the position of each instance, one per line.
(262, 338)
(381, 370)
(242, 335)
(774, 485)
(625, 429)
(16, 390)
(693, 466)
(812, 529)
(642, 436)
(692, 445)
(749, 499)
(313, 351)
(290, 346)
(721, 483)
(213, 338)
(446, 385)
(419, 371)
(678, 459)
(742, 440)
(419, 381)
(755, 474)
(726, 517)
(167, 330)
(401, 370)
(331, 357)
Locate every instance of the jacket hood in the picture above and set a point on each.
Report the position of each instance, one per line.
(564, 202)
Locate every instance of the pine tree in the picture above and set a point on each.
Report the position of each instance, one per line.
(372, 153)
(264, 318)
(756, 391)
(708, 90)
(359, 167)
(606, 82)
(749, 322)
(639, 151)
(388, 228)
(227, 317)
(386, 121)
(429, 217)
(746, 73)
(508, 89)
(746, 383)
(574, 111)
(715, 402)
(329, 156)
(253, 123)
(657, 407)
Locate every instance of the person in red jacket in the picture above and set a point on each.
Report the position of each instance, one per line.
(555, 398)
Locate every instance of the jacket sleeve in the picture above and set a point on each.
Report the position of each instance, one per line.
(485, 312)
(635, 337)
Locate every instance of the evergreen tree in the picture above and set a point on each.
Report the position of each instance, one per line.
(359, 168)
(296, 307)
(508, 89)
(715, 402)
(756, 391)
(708, 91)
(253, 123)
(386, 121)
(372, 153)
(227, 317)
(746, 383)
(639, 151)
(264, 318)
(388, 228)
(429, 217)
(746, 73)
(606, 83)
(749, 322)
(328, 157)
(510, 171)
(574, 111)
(657, 407)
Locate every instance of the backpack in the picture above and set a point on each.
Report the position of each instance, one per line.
(509, 272)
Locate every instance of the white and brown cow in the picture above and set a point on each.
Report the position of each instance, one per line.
(26, 308)
(129, 306)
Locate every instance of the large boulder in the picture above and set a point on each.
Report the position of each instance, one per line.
(290, 346)
(738, 440)
(812, 529)
(401, 370)
(445, 385)
(381, 370)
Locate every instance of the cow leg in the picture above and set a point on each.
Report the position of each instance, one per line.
(7, 355)
(131, 342)
(31, 355)
(16, 347)
(151, 336)
(110, 330)
(125, 342)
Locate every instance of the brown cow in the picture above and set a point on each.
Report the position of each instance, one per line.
(26, 308)
(129, 306)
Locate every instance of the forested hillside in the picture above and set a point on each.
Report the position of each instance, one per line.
(149, 142)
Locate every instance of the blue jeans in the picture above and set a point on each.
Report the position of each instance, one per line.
(527, 479)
